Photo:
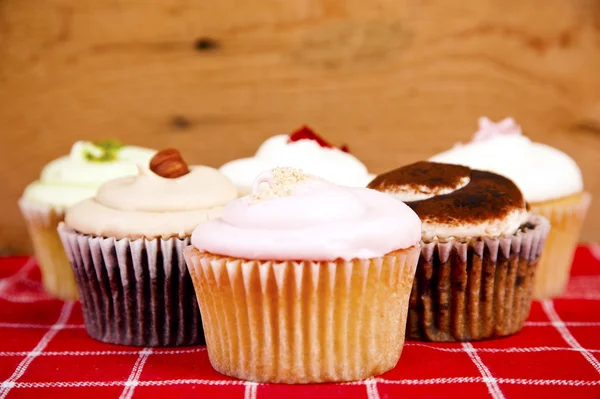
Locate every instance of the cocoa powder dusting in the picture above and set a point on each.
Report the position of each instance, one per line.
(488, 196)
(433, 175)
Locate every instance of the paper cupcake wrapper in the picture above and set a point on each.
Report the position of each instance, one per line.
(303, 322)
(57, 275)
(477, 289)
(134, 292)
(555, 264)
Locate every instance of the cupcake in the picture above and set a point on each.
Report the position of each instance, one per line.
(305, 150)
(479, 251)
(550, 181)
(64, 182)
(305, 281)
(126, 249)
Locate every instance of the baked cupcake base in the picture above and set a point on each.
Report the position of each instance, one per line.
(57, 275)
(477, 289)
(303, 322)
(566, 217)
(134, 292)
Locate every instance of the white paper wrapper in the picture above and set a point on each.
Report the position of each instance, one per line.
(303, 322)
(57, 275)
(476, 289)
(134, 292)
(566, 217)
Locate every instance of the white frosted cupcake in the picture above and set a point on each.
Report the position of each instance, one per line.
(550, 181)
(64, 182)
(305, 150)
(305, 281)
(126, 248)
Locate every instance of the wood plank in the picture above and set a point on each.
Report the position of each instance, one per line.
(396, 80)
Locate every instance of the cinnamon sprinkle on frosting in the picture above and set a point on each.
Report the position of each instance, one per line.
(281, 182)
(485, 199)
(425, 176)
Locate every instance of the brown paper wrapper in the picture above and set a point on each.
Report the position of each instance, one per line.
(566, 218)
(477, 289)
(134, 292)
(303, 322)
(57, 275)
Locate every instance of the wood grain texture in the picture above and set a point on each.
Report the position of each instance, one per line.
(398, 80)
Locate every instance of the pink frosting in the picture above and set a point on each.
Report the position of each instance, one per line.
(489, 129)
(315, 220)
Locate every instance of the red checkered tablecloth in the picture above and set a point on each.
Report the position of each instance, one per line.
(45, 352)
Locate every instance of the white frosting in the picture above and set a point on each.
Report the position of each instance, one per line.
(409, 193)
(151, 206)
(542, 173)
(331, 164)
(506, 226)
(72, 178)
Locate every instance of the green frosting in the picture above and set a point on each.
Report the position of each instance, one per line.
(103, 150)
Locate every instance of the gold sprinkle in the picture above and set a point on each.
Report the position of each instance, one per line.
(284, 180)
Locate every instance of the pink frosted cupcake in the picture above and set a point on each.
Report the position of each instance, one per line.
(305, 281)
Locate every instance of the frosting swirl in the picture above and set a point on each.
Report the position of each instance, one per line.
(465, 202)
(313, 155)
(148, 205)
(295, 216)
(541, 172)
(77, 176)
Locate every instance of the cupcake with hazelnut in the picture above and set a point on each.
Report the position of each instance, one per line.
(479, 251)
(551, 182)
(126, 249)
(64, 182)
(305, 281)
(303, 149)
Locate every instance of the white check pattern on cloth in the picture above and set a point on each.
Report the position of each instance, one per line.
(134, 378)
(251, 389)
(488, 378)
(372, 391)
(379, 380)
(65, 313)
(567, 336)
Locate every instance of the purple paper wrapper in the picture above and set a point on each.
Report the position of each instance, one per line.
(134, 292)
(476, 289)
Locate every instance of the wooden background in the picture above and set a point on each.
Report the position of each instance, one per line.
(398, 80)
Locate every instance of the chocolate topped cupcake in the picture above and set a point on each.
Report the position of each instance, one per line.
(480, 248)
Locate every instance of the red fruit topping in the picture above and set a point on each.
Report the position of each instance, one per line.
(306, 133)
